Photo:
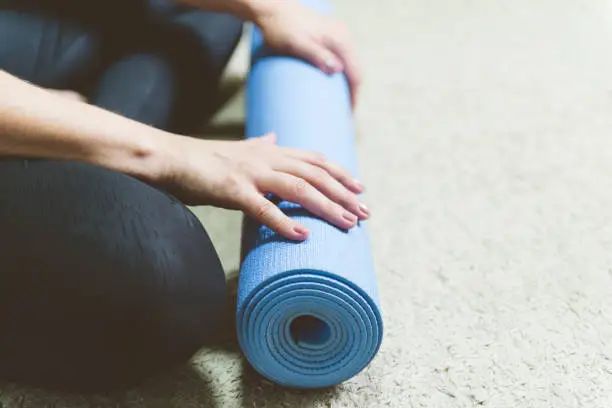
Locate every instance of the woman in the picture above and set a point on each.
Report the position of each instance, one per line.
(106, 278)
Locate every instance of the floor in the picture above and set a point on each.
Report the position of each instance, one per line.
(483, 134)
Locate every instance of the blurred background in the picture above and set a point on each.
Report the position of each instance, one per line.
(484, 132)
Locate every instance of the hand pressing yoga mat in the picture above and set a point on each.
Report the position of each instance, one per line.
(308, 312)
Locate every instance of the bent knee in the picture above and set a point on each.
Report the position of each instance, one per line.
(126, 279)
(142, 87)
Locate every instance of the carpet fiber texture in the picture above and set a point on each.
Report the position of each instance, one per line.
(484, 141)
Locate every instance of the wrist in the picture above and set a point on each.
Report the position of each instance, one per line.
(150, 157)
(165, 159)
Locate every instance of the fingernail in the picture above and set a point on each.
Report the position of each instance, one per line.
(350, 217)
(364, 209)
(301, 231)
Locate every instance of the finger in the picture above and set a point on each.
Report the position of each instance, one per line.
(319, 56)
(337, 171)
(323, 181)
(299, 191)
(344, 51)
(264, 211)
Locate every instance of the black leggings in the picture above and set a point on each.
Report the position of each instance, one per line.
(105, 280)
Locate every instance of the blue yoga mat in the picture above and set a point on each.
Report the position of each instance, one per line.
(308, 313)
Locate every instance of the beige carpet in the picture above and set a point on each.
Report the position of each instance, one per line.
(485, 140)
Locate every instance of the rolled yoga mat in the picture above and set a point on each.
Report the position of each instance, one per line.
(308, 312)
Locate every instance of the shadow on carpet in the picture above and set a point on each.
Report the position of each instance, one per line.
(184, 387)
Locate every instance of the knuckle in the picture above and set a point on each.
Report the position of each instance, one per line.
(333, 208)
(301, 188)
(344, 179)
(318, 159)
(232, 184)
(248, 168)
(349, 201)
(319, 176)
(286, 224)
(265, 210)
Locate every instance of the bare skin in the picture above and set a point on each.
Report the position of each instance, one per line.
(70, 95)
(289, 26)
(56, 124)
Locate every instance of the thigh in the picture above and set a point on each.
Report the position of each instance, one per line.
(104, 280)
(46, 49)
(168, 73)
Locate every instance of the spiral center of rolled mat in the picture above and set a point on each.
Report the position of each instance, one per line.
(309, 331)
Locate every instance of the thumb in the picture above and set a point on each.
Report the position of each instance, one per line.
(320, 56)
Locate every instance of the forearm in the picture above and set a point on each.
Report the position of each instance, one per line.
(40, 124)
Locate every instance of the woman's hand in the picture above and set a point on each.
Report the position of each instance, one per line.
(290, 27)
(238, 175)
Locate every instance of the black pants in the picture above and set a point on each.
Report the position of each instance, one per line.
(104, 280)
